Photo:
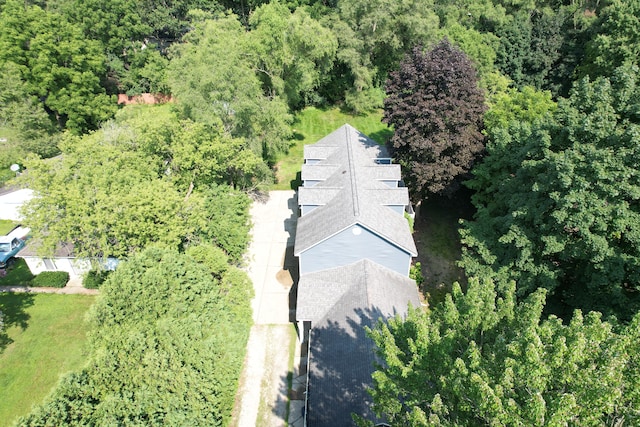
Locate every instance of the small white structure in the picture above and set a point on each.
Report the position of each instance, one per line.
(62, 260)
(10, 203)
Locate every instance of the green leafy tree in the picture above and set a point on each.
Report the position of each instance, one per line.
(193, 154)
(23, 120)
(117, 24)
(478, 46)
(616, 41)
(227, 220)
(60, 66)
(480, 358)
(373, 36)
(436, 109)
(557, 201)
(526, 105)
(169, 353)
(293, 51)
(213, 77)
(538, 47)
(105, 199)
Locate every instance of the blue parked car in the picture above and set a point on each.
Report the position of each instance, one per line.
(9, 247)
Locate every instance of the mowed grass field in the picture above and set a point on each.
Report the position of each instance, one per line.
(44, 338)
(311, 125)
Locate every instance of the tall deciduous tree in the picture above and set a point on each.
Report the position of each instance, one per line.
(213, 76)
(482, 359)
(373, 36)
(60, 66)
(436, 108)
(294, 52)
(558, 201)
(616, 40)
(105, 199)
(24, 118)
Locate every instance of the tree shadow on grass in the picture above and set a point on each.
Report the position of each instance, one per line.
(381, 136)
(13, 307)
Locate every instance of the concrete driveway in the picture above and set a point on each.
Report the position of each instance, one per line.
(264, 398)
(272, 266)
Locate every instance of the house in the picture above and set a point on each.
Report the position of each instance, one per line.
(352, 206)
(335, 306)
(354, 248)
(62, 259)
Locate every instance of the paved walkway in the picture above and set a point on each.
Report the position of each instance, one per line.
(264, 386)
(74, 286)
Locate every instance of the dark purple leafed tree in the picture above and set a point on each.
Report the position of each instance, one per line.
(435, 105)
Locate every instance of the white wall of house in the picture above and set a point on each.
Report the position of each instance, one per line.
(75, 267)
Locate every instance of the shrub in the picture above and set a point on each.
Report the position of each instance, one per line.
(415, 272)
(51, 279)
(94, 278)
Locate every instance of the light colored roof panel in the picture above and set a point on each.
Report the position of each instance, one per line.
(317, 195)
(383, 172)
(317, 171)
(389, 196)
(320, 294)
(313, 151)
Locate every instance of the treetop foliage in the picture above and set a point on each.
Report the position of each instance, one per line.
(557, 200)
(138, 182)
(436, 108)
(480, 358)
(170, 353)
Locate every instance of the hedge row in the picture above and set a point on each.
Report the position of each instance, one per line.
(50, 279)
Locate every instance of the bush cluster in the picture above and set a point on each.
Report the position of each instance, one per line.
(50, 279)
(94, 278)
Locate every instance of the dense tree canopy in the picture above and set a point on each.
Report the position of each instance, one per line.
(436, 108)
(138, 182)
(616, 40)
(58, 63)
(170, 353)
(480, 358)
(558, 199)
(213, 75)
(294, 52)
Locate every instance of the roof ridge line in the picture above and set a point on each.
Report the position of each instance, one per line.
(352, 175)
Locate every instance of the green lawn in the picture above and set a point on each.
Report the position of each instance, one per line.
(18, 274)
(6, 225)
(313, 124)
(45, 337)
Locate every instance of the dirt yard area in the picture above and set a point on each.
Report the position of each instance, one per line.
(438, 242)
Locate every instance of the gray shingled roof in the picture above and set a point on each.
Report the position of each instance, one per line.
(318, 171)
(340, 302)
(316, 195)
(318, 152)
(351, 166)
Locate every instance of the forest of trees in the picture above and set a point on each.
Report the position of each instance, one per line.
(533, 105)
